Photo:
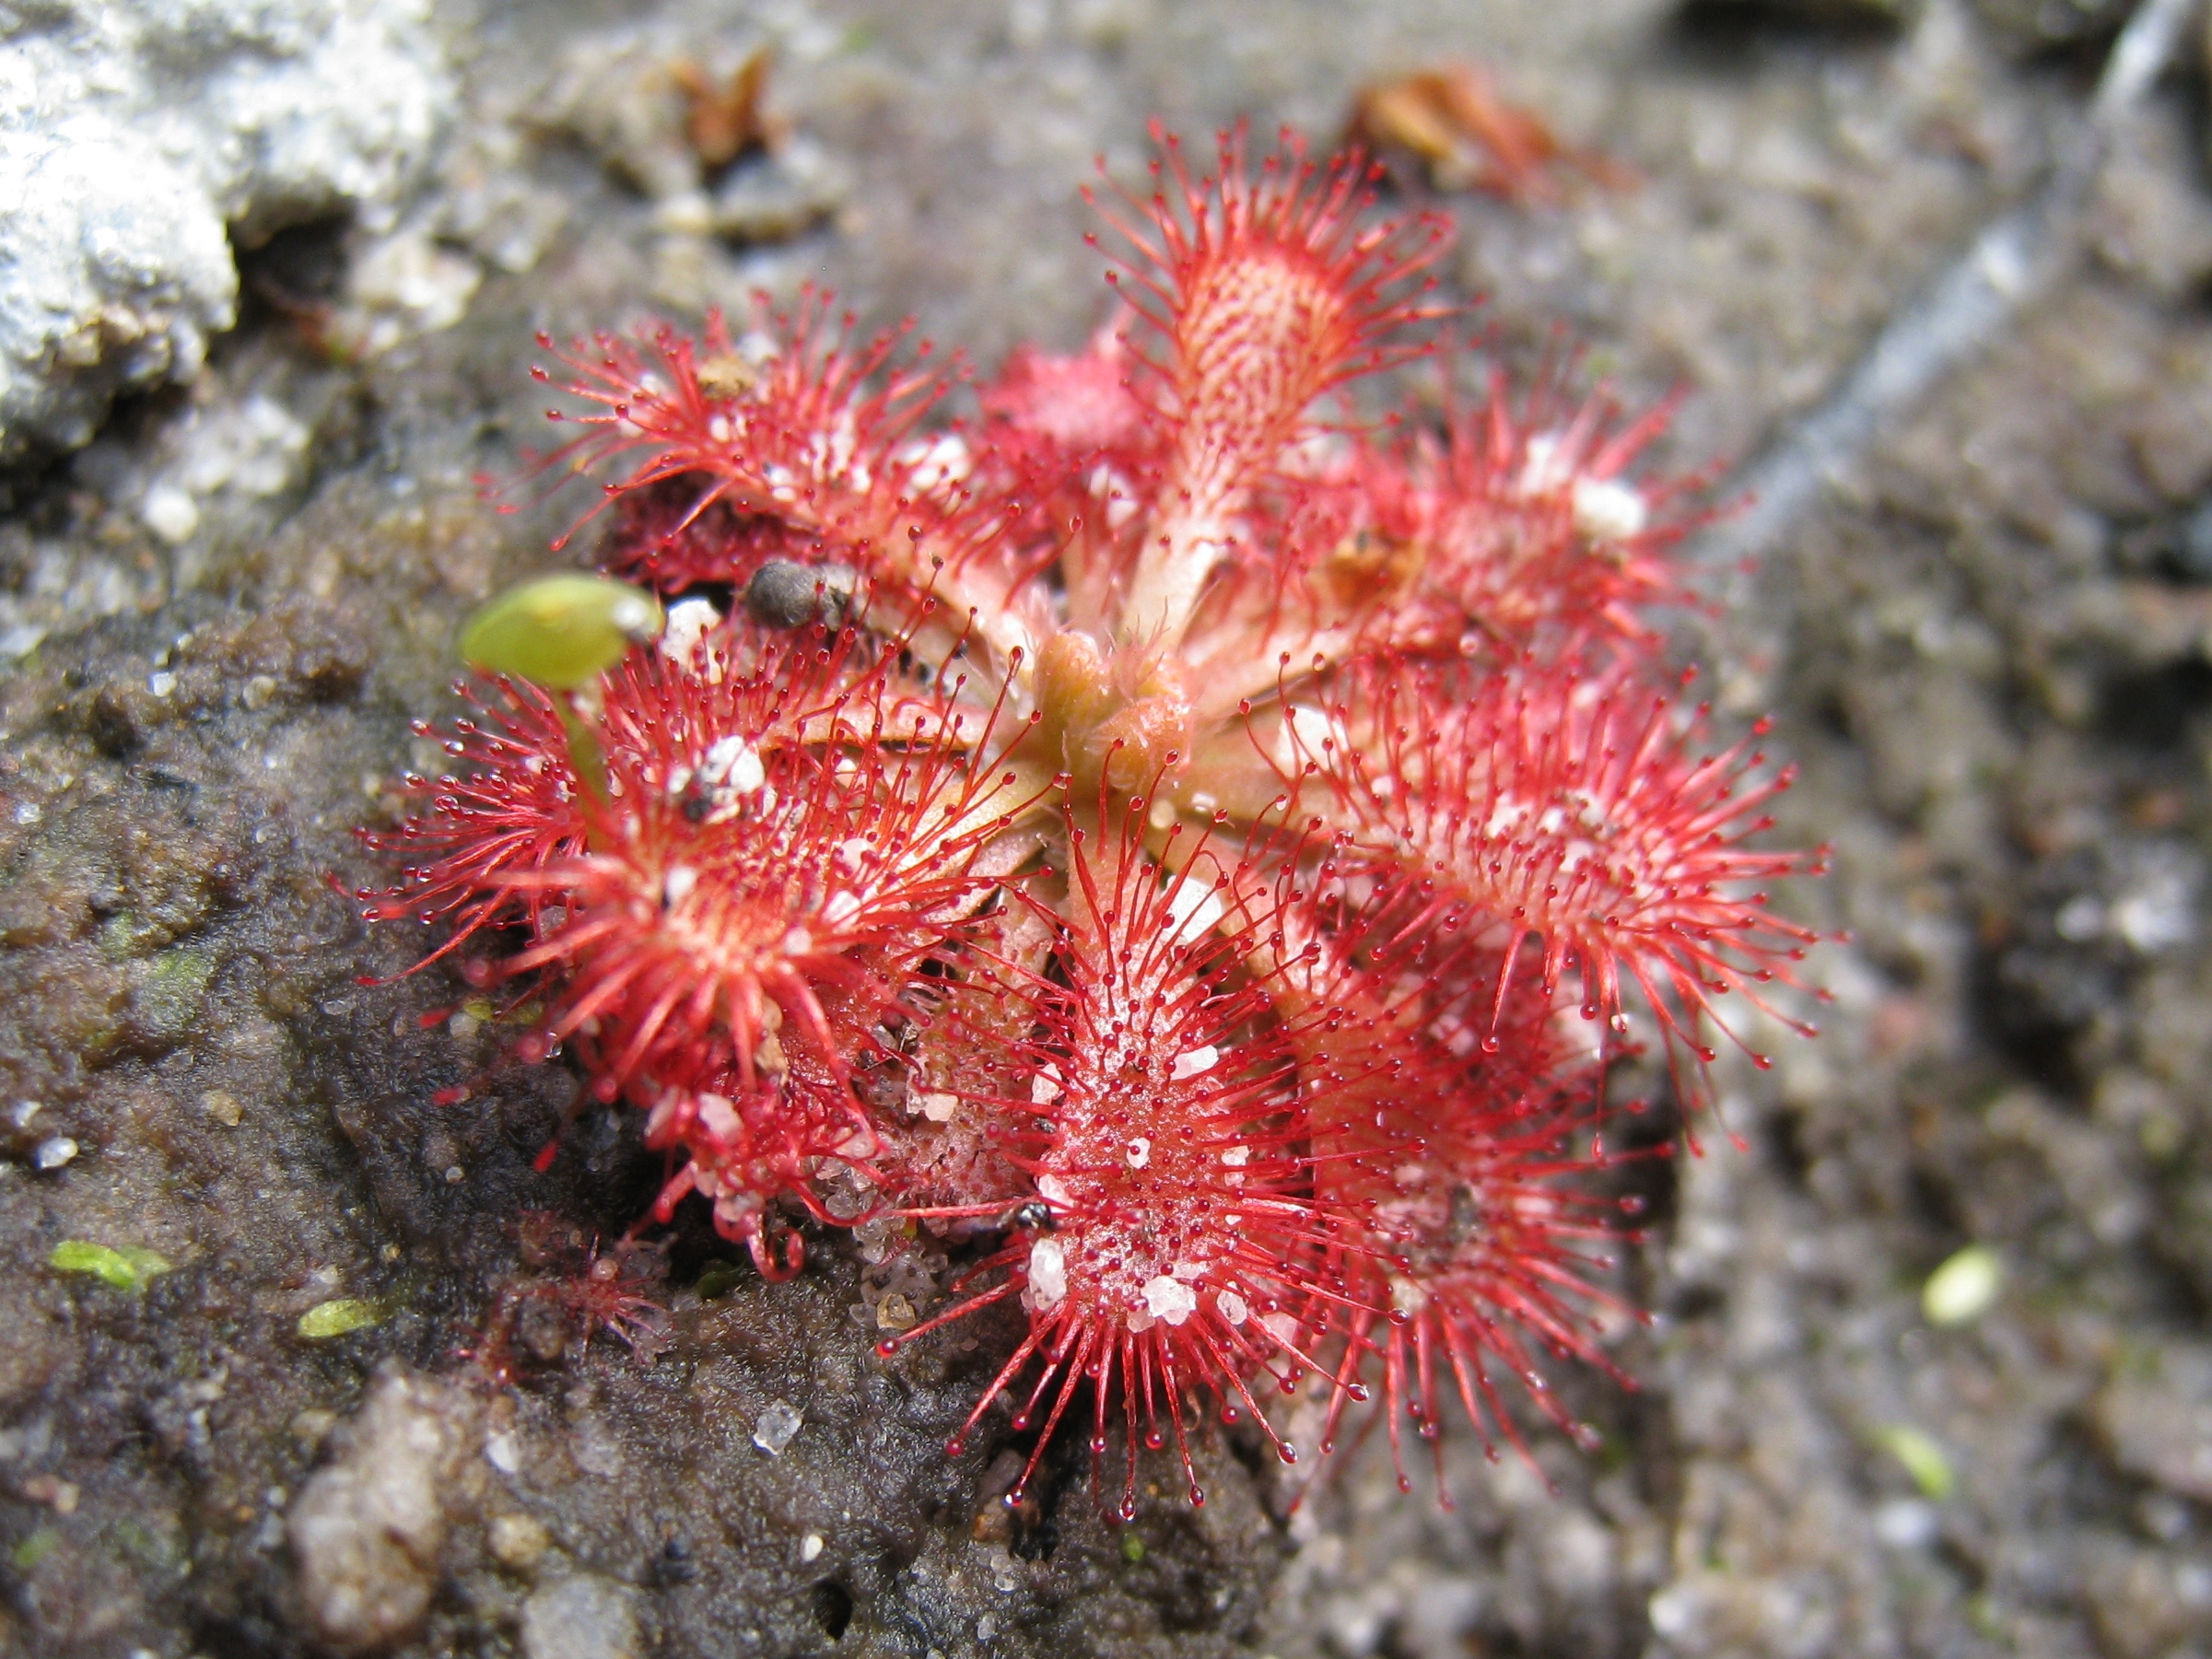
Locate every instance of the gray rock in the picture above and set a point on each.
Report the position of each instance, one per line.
(138, 136)
(2146, 1604)
(368, 1530)
(772, 198)
(579, 1617)
(2156, 1417)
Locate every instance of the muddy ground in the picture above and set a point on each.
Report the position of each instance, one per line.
(1989, 647)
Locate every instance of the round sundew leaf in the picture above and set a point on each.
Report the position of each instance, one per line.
(561, 632)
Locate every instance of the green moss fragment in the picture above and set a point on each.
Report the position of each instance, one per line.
(1132, 1547)
(131, 1268)
(148, 1548)
(119, 937)
(35, 1548)
(168, 1001)
(718, 1278)
(343, 1315)
(1982, 1613)
(1922, 1459)
(562, 631)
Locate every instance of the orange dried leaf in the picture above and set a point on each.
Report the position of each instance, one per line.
(1466, 135)
(725, 117)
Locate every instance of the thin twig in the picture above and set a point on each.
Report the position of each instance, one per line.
(2017, 256)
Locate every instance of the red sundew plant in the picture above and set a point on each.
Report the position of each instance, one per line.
(1191, 846)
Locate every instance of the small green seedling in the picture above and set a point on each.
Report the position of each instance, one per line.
(1922, 1459)
(560, 632)
(342, 1316)
(130, 1268)
(1964, 1288)
(718, 1278)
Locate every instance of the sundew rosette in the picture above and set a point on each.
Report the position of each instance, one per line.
(1182, 843)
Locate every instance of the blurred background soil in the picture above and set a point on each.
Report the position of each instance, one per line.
(1988, 645)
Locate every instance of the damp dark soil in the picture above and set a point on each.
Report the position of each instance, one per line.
(1988, 646)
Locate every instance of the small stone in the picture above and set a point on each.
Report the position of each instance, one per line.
(1907, 1524)
(223, 1106)
(689, 621)
(810, 1547)
(369, 1530)
(517, 1541)
(403, 285)
(778, 195)
(170, 513)
(541, 1330)
(2155, 1419)
(580, 1618)
(53, 1153)
(894, 1313)
(777, 1423)
(57, 1494)
(595, 1447)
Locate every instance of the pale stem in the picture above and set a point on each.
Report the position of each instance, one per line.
(1171, 573)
